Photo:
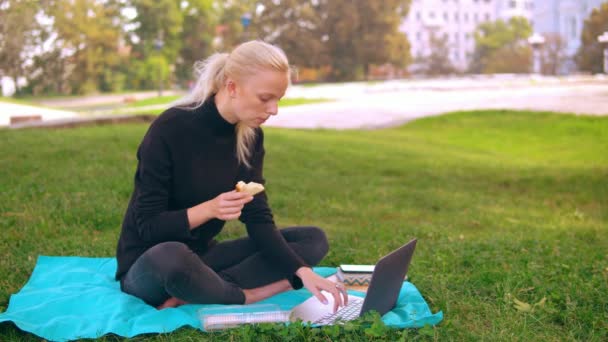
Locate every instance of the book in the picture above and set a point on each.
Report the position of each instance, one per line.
(346, 274)
(355, 275)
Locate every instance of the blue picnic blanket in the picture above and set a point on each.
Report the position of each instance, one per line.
(68, 298)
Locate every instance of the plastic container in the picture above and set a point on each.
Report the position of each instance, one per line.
(230, 316)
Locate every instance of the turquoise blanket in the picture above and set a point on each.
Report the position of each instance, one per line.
(67, 298)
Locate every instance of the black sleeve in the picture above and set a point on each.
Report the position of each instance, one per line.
(155, 222)
(261, 228)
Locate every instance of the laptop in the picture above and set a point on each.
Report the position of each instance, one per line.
(381, 295)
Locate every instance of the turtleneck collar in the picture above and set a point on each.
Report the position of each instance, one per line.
(211, 118)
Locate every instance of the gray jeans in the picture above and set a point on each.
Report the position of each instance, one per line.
(172, 269)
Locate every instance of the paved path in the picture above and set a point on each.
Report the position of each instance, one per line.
(390, 104)
(383, 104)
(8, 110)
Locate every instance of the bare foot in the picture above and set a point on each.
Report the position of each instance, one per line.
(171, 303)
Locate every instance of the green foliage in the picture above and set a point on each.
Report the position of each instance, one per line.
(17, 36)
(347, 36)
(106, 45)
(501, 47)
(158, 19)
(146, 73)
(438, 62)
(89, 34)
(554, 54)
(231, 31)
(198, 30)
(506, 205)
(590, 55)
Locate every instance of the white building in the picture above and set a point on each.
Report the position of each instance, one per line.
(456, 20)
(566, 18)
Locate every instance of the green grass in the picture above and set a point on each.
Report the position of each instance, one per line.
(17, 101)
(506, 205)
(168, 99)
(159, 100)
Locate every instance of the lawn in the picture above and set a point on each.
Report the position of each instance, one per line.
(506, 206)
(166, 100)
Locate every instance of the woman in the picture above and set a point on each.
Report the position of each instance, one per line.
(188, 164)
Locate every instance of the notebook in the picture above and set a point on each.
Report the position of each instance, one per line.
(382, 294)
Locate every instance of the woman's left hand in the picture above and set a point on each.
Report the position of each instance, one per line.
(315, 284)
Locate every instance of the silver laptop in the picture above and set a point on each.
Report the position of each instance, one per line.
(381, 296)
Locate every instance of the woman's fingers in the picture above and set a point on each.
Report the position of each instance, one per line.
(235, 203)
(236, 196)
(229, 217)
(230, 210)
(319, 295)
(342, 290)
(337, 300)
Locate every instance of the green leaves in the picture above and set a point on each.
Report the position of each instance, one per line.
(501, 47)
(590, 54)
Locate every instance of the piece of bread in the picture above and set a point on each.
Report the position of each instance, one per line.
(251, 188)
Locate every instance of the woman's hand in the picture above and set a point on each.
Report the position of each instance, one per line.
(226, 206)
(315, 283)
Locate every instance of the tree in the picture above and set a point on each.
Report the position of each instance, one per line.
(199, 24)
(158, 19)
(19, 34)
(553, 54)
(347, 35)
(158, 34)
(382, 42)
(295, 26)
(230, 29)
(589, 56)
(87, 37)
(501, 47)
(438, 62)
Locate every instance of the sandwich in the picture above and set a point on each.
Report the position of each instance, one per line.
(251, 188)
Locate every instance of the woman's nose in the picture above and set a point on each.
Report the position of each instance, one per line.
(273, 108)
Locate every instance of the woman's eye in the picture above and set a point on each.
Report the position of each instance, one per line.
(264, 99)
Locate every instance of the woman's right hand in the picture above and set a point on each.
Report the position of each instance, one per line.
(226, 206)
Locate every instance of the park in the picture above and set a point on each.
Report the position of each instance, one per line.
(501, 176)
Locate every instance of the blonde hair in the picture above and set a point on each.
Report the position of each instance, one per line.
(243, 61)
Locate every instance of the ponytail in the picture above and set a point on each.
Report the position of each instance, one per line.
(210, 77)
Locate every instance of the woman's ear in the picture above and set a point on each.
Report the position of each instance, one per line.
(231, 87)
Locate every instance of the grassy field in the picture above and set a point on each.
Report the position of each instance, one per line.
(506, 206)
(168, 99)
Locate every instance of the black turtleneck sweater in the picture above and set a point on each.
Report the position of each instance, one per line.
(186, 158)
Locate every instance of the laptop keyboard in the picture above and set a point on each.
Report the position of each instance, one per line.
(345, 313)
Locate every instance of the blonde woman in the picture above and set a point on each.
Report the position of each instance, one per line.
(188, 164)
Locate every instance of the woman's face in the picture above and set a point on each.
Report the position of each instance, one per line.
(256, 97)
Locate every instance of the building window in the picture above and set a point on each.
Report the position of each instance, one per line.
(466, 17)
(431, 14)
(573, 27)
(475, 18)
(487, 16)
(456, 17)
(418, 16)
(418, 36)
(513, 4)
(445, 16)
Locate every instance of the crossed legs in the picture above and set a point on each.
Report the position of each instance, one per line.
(231, 272)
